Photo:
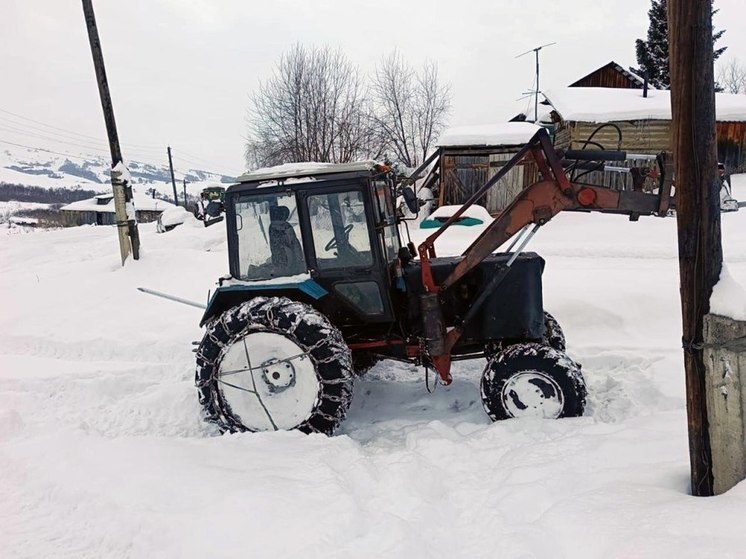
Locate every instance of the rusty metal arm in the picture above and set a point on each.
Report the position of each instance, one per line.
(426, 250)
(536, 205)
(541, 201)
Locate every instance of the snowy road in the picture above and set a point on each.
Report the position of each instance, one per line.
(103, 454)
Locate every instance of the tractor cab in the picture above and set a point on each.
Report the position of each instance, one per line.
(309, 230)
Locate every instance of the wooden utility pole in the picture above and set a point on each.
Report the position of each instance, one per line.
(129, 237)
(173, 180)
(185, 195)
(697, 207)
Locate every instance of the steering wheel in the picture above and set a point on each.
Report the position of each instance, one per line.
(332, 244)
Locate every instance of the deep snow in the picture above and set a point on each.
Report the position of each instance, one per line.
(103, 454)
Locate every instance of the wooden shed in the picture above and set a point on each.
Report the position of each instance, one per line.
(611, 75)
(644, 123)
(470, 156)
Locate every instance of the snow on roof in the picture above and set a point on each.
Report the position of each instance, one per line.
(502, 134)
(602, 104)
(307, 168)
(143, 202)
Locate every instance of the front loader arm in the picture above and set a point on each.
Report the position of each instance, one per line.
(536, 204)
(540, 202)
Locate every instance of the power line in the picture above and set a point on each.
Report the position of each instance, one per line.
(45, 150)
(69, 137)
(146, 146)
(66, 136)
(201, 164)
(140, 158)
(15, 130)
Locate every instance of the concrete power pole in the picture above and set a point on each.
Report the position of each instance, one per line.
(129, 237)
(173, 180)
(697, 208)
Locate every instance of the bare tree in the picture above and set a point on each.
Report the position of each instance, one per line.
(732, 76)
(410, 108)
(313, 108)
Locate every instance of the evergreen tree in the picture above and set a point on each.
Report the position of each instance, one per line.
(652, 55)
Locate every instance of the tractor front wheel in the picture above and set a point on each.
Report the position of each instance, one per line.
(532, 380)
(274, 364)
(553, 334)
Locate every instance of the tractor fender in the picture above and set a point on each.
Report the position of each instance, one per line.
(226, 297)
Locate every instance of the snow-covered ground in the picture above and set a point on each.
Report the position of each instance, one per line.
(103, 454)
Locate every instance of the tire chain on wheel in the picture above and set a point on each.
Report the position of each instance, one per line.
(320, 340)
(532, 356)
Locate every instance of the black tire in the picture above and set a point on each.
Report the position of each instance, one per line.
(304, 326)
(553, 335)
(535, 378)
(363, 361)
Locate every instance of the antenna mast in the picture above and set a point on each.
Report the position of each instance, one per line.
(537, 90)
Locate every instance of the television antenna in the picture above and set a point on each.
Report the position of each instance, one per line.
(537, 90)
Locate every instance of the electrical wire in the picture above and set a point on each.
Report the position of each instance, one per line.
(45, 150)
(143, 153)
(148, 146)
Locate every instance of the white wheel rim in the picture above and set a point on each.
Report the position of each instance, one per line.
(532, 394)
(268, 381)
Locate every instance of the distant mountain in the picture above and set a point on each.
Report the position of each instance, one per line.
(46, 169)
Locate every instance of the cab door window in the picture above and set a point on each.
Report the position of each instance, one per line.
(339, 228)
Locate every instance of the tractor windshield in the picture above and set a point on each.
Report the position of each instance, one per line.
(269, 238)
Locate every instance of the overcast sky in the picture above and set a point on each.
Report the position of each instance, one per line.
(181, 71)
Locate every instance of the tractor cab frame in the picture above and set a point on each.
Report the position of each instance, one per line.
(323, 234)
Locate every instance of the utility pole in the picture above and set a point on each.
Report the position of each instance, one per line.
(129, 237)
(173, 180)
(185, 198)
(697, 208)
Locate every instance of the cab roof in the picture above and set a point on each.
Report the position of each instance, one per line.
(308, 170)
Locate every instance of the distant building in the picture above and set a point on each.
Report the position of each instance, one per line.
(611, 75)
(99, 210)
(643, 121)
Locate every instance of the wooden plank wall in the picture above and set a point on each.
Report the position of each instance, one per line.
(732, 145)
(463, 172)
(507, 188)
(640, 136)
(654, 136)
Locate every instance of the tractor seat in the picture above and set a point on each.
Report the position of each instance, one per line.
(287, 253)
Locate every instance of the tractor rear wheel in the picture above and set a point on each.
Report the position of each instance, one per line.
(532, 380)
(274, 364)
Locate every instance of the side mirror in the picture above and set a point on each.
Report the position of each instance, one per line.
(213, 220)
(410, 199)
